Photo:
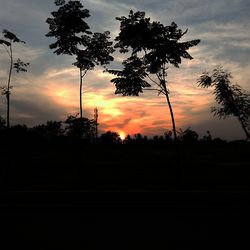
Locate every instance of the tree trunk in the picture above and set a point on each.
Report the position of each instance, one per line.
(172, 116)
(8, 88)
(177, 146)
(245, 129)
(81, 113)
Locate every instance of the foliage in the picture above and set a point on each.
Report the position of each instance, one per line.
(232, 99)
(2, 123)
(188, 136)
(20, 66)
(11, 37)
(80, 127)
(49, 130)
(130, 80)
(110, 137)
(154, 47)
(68, 27)
(73, 37)
(97, 52)
(17, 65)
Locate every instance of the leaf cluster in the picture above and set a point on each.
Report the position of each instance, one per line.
(68, 27)
(130, 81)
(20, 66)
(10, 36)
(160, 43)
(97, 52)
(80, 127)
(156, 46)
(73, 36)
(233, 100)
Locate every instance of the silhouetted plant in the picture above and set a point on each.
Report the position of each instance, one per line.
(207, 137)
(153, 48)
(73, 37)
(2, 123)
(188, 136)
(138, 137)
(127, 139)
(168, 136)
(18, 65)
(80, 127)
(49, 130)
(233, 100)
(110, 137)
(18, 132)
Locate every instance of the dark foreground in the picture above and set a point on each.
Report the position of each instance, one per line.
(122, 220)
(58, 196)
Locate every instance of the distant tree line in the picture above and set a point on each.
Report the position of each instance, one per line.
(84, 131)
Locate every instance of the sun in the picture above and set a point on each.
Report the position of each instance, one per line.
(122, 135)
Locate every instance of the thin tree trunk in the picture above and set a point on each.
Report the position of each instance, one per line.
(8, 88)
(81, 113)
(172, 116)
(245, 129)
(177, 146)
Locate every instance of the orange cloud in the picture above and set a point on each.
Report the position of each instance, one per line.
(146, 114)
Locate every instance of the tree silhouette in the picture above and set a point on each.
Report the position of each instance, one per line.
(80, 127)
(110, 137)
(153, 48)
(18, 65)
(73, 37)
(233, 100)
(50, 130)
(188, 136)
(2, 123)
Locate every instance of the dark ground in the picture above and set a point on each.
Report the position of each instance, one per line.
(74, 196)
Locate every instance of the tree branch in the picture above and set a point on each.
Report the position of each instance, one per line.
(6, 50)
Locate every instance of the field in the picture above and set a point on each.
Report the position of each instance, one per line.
(77, 166)
(65, 195)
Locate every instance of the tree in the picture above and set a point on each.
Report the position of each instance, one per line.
(154, 47)
(50, 130)
(2, 123)
(110, 138)
(80, 127)
(73, 37)
(232, 99)
(188, 136)
(18, 65)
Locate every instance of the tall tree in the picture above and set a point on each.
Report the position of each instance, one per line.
(153, 48)
(73, 37)
(18, 65)
(232, 99)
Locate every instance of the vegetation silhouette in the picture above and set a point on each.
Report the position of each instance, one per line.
(73, 37)
(154, 47)
(80, 128)
(20, 66)
(110, 137)
(52, 156)
(233, 100)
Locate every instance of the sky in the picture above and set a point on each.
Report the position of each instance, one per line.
(50, 88)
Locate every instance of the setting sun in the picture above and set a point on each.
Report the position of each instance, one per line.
(122, 135)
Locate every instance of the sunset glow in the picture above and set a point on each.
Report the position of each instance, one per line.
(122, 135)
